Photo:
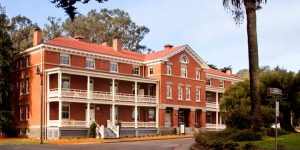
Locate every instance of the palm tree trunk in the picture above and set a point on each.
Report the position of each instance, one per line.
(253, 63)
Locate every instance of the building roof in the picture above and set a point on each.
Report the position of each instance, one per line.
(220, 73)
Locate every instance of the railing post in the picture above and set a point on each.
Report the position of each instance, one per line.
(59, 84)
(48, 85)
(118, 131)
(156, 116)
(113, 90)
(113, 114)
(217, 111)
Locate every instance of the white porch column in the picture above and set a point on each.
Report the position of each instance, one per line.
(113, 91)
(48, 113)
(135, 91)
(59, 84)
(48, 85)
(135, 116)
(88, 87)
(157, 105)
(157, 116)
(157, 93)
(113, 115)
(217, 111)
(59, 113)
(88, 116)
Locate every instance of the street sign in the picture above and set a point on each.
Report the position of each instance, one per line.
(277, 109)
(273, 97)
(275, 91)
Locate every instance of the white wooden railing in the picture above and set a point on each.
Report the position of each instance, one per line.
(73, 123)
(53, 123)
(99, 131)
(139, 124)
(212, 105)
(214, 126)
(146, 124)
(99, 95)
(113, 128)
(127, 124)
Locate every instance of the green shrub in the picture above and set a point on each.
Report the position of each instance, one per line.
(93, 130)
(271, 132)
(230, 144)
(250, 146)
(245, 135)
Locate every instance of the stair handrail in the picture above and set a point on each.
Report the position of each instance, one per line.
(113, 128)
(99, 130)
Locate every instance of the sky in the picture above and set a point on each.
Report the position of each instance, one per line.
(204, 25)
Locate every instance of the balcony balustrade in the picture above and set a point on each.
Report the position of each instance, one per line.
(214, 126)
(139, 124)
(212, 105)
(100, 95)
(68, 123)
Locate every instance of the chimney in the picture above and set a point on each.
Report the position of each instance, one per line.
(37, 36)
(117, 44)
(79, 38)
(168, 46)
(229, 71)
(105, 44)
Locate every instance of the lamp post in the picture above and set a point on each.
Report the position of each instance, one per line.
(38, 72)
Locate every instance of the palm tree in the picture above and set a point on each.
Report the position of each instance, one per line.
(238, 8)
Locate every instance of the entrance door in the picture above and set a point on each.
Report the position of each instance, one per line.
(168, 118)
(92, 113)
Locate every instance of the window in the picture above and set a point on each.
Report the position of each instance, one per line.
(138, 114)
(21, 86)
(151, 116)
(221, 83)
(150, 71)
(27, 112)
(90, 63)
(180, 92)
(27, 85)
(22, 113)
(208, 118)
(169, 91)
(64, 59)
(169, 69)
(197, 94)
(197, 75)
(183, 72)
(27, 61)
(183, 59)
(208, 81)
(21, 64)
(113, 66)
(151, 90)
(65, 83)
(208, 97)
(136, 70)
(188, 93)
(65, 111)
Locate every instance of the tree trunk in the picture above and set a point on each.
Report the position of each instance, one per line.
(253, 64)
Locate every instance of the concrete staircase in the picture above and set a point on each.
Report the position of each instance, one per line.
(108, 134)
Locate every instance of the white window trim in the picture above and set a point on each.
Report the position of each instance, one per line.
(64, 55)
(114, 63)
(133, 70)
(65, 105)
(169, 86)
(149, 68)
(27, 112)
(68, 78)
(27, 85)
(188, 92)
(21, 64)
(27, 61)
(180, 91)
(21, 112)
(151, 109)
(91, 60)
(181, 58)
(198, 92)
(169, 70)
(208, 96)
(186, 72)
(21, 86)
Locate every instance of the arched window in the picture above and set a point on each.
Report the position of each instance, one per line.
(183, 59)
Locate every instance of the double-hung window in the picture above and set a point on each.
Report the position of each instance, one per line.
(169, 69)
(179, 92)
(65, 111)
(208, 97)
(90, 63)
(21, 86)
(136, 70)
(169, 91)
(27, 85)
(183, 72)
(222, 83)
(151, 116)
(188, 93)
(208, 81)
(27, 112)
(197, 75)
(113, 66)
(64, 59)
(197, 94)
(150, 72)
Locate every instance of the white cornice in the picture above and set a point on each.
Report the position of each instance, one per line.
(208, 75)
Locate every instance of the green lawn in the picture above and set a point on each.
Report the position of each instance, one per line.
(290, 141)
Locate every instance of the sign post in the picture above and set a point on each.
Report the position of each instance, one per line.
(277, 115)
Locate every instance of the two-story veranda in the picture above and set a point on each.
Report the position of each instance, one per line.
(76, 97)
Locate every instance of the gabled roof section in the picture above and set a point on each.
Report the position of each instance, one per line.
(220, 73)
(95, 48)
(167, 53)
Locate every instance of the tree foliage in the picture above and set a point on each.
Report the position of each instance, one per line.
(235, 104)
(54, 29)
(104, 26)
(68, 5)
(8, 55)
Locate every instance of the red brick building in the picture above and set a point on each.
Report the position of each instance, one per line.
(143, 93)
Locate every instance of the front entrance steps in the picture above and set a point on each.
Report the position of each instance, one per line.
(109, 134)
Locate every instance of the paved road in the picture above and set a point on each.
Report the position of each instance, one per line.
(170, 144)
